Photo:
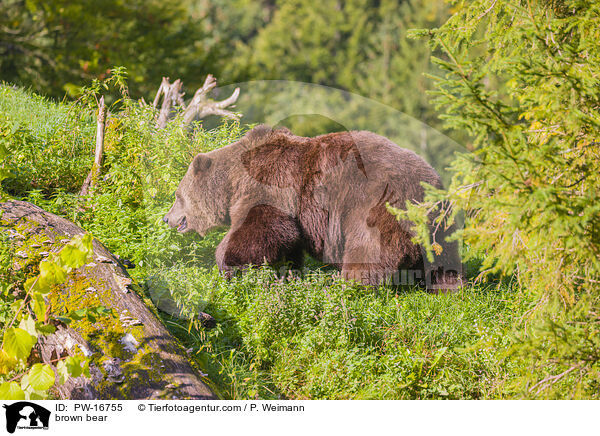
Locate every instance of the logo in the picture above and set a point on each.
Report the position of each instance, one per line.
(26, 415)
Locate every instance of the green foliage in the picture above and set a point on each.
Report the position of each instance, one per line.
(323, 46)
(57, 138)
(40, 377)
(71, 367)
(522, 80)
(277, 338)
(142, 168)
(319, 337)
(316, 336)
(18, 343)
(11, 391)
(57, 46)
(37, 379)
(359, 46)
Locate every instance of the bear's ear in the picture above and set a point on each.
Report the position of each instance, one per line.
(283, 129)
(201, 163)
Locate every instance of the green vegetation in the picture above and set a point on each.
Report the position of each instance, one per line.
(310, 337)
(56, 47)
(530, 185)
(25, 288)
(55, 137)
(518, 79)
(318, 337)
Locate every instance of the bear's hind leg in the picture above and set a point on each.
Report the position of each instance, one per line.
(379, 251)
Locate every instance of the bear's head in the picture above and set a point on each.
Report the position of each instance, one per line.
(201, 198)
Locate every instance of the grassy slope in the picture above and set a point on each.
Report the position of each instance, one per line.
(315, 337)
(51, 143)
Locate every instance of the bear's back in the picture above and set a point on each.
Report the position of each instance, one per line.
(353, 166)
(372, 162)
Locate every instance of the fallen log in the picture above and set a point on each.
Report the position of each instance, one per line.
(132, 355)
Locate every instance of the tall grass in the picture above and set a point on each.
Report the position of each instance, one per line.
(320, 337)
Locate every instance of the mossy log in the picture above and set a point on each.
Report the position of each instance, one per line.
(132, 355)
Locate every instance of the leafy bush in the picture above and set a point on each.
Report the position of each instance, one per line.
(142, 168)
(57, 138)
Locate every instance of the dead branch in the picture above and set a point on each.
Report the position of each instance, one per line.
(172, 96)
(161, 89)
(550, 380)
(94, 173)
(199, 107)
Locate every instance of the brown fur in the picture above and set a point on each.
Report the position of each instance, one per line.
(284, 194)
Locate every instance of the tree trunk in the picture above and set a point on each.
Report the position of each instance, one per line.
(132, 355)
(172, 97)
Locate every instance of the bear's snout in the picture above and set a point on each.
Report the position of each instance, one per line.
(180, 224)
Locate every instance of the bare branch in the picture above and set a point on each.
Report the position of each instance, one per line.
(94, 173)
(199, 107)
(163, 85)
(219, 112)
(228, 101)
(550, 380)
(209, 83)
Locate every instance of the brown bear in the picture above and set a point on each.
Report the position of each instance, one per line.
(284, 195)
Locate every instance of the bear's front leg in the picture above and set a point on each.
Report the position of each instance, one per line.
(225, 269)
(265, 236)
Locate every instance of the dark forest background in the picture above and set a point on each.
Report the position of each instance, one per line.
(56, 47)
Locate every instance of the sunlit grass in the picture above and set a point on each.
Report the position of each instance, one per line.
(319, 337)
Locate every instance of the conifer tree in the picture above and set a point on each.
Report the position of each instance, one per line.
(522, 78)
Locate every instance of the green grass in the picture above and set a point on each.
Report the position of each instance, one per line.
(51, 144)
(38, 114)
(320, 337)
(310, 337)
